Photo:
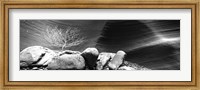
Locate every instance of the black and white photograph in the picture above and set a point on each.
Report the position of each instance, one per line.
(99, 44)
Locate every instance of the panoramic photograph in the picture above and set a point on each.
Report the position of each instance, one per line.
(99, 45)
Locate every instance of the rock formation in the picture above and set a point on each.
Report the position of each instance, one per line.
(35, 55)
(103, 60)
(41, 58)
(66, 62)
(90, 55)
(117, 60)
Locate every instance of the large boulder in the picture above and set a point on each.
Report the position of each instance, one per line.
(67, 62)
(103, 59)
(90, 55)
(26, 59)
(117, 60)
(35, 55)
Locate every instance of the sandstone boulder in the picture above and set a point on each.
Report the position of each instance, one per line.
(103, 58)
(36, 55)
(67, 62)
(90, 55)
(117, 60)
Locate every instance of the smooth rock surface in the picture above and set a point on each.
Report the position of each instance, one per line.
(117, 60)
(67, 62)
(90, 55)
(36, 55)
(103, 58)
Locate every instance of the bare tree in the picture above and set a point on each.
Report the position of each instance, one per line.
(63, 37)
